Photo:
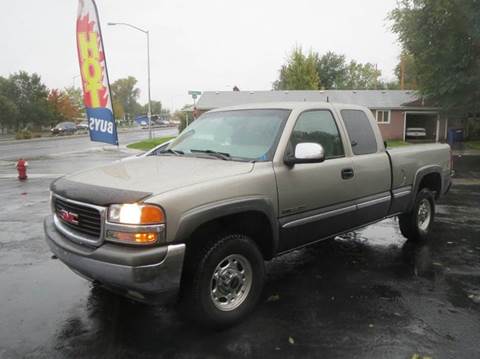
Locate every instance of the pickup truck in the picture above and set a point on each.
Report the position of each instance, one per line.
(239, 186)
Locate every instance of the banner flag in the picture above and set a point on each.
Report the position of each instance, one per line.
(93, 68)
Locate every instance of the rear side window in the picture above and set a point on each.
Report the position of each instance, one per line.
(318, 126)
(360, 131)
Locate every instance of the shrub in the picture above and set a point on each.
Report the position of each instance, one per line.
(23, 135)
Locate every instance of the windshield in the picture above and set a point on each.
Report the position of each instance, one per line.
(240, 134)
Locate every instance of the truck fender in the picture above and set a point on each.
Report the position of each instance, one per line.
(194, 218)
(419, 175)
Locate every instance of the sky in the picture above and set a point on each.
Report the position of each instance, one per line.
(195, 45)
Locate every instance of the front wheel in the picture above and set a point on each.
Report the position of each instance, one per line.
(416, 224)
(224, 281)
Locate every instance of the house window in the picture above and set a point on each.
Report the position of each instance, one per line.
(383, 116)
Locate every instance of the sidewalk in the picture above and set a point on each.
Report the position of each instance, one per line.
(466, 152)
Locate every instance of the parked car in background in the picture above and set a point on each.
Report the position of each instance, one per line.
(82, 126)
(163, 123)
(64, 128)
(144, 124)
(416, 132)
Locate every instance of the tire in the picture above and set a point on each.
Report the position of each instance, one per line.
(223, 281)
(416, 224)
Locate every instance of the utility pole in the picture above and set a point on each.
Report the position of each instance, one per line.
(146, 32)
(402, 72)
(149, 114)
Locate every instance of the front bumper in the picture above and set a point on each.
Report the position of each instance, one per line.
(146, 274)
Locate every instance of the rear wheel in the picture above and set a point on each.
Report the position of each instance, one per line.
(416, 224)
(223, 282)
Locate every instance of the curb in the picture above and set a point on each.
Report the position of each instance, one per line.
(53, 138)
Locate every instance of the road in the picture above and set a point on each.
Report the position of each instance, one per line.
(66, 144)
(367, 294)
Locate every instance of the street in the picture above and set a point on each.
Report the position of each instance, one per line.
(367, 294)
(61, 145)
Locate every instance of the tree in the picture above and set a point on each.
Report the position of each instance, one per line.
(362, 76)
(118, 110)
(62, 106)
(76, 98)
(156, 107)
(329, 71)
(8, 113)
(443, 38)
(299, 73)
(125, 92)
(388, 85)
(182, 116)
(332, 71)
(406, 72)
(30, 96)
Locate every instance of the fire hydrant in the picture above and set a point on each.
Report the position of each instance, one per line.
(22, 169)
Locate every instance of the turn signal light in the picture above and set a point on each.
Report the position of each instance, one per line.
(135, 238)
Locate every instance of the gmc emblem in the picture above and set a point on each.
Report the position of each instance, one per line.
(68, 217)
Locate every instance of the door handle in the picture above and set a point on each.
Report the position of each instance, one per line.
(347, 173)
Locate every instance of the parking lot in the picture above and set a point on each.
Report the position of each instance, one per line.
(368, 294)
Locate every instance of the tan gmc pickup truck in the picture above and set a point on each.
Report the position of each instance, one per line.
(237, 187)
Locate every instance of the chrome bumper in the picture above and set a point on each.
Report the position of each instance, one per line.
(147, 274)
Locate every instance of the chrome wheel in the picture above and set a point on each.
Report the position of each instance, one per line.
(424, 214)
(231, 282)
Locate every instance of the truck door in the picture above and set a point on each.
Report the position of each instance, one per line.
(315, 199)
(371, 167)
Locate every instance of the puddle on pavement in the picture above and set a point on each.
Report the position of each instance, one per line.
(385, 233)
(379, 248)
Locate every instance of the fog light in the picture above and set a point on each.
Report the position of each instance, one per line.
(132, 237)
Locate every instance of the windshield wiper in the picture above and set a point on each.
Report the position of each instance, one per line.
(175, 152)
(221, 155)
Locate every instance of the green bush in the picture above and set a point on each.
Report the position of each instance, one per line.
(23, 135)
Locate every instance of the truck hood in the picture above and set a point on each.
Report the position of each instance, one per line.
(136, 179)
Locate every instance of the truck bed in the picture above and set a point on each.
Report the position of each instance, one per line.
(407, 161)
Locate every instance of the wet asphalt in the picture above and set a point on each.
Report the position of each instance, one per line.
(367, 294)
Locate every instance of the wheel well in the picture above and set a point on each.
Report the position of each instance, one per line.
(432, 181)
(254, 224)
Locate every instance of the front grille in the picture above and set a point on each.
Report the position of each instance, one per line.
(88, 219)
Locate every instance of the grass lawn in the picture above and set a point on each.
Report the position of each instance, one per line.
(148, 144)
(397, 143)
(474, 145)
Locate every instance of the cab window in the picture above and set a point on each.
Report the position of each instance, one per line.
(318, 126)
(360, 131)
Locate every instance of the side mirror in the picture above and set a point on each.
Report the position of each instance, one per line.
(306, 152)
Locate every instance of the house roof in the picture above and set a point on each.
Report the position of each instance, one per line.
(373, 99)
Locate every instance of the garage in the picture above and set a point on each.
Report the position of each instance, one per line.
(421, 126)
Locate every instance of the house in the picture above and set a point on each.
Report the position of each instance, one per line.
(395, 110)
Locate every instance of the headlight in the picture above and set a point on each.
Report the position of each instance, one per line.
(135, 214)
(135, 224)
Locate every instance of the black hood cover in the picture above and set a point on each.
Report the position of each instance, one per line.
(99, 195)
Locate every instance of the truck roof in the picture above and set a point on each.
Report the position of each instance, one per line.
(300, 105)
